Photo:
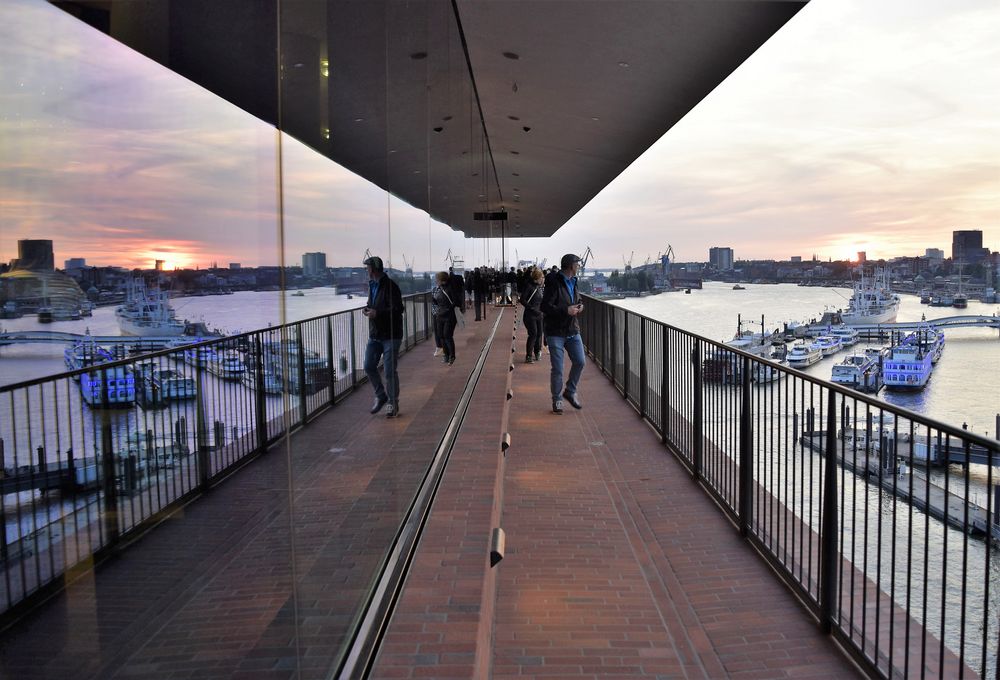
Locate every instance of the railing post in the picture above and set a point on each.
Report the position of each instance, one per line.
(331, 363)
(301, 373)
(664, 387)
(614, 345)
(697, 422)
(354, 351)
(625, 359)
(828, 537)
(260, 394)
(3, 514)
(746, 452)
(201, 426)
(109, 482)
(642, 367)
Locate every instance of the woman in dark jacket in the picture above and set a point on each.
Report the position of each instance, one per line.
(531, 298)
(443, 307)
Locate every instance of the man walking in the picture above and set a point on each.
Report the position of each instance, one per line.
(561, 306)
(385, 333)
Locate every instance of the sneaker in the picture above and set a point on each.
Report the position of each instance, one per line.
(538, 356)
(557, 406)
(573, 401)
(392, 411)
(378, 404)
(437, 352)
(444, 359)
(529, 359)
(451, 360)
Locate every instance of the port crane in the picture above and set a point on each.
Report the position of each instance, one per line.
(587, 254)
(408, 264)
(628, 262)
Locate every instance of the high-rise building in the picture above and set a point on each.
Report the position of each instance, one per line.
(75, 263)
(862, 256)
(313, 264)
(967, 246)
(235, 265)
(721, 258)
(35, 255)
(934, 254)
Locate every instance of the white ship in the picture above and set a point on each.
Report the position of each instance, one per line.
(826, 344)
(908, 365)
(861, 371)
(873, 300)
(147, 312)
(802, 354)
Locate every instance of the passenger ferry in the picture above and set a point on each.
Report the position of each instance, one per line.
(862, 372)
(147, 312)
(908, 365)
(85, 353)
(228, 365)
(281, 359)
(931, 340)
(802, 354)
(157, 385)
(108, 387)
(847, 335)
(826, 344)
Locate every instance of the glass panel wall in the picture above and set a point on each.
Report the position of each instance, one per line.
(185, 220)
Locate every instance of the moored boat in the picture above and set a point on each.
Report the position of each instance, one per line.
(873, 301)
(859, 371)
(147, 312)
(802, 354)
(826, 344)
(907, 366)
(847, 335)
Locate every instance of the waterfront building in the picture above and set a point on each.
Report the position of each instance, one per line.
(721, 258)
(967, 246)
(313, 264)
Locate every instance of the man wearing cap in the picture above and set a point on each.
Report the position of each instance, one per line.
(561, 306)
(385, 333)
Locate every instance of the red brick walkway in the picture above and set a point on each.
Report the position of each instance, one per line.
(617, 564)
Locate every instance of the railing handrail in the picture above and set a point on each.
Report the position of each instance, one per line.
(946, 428)
(128, 361)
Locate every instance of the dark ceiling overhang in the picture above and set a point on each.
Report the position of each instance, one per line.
(564, 96)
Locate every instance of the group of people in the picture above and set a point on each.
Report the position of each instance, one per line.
(551, 304)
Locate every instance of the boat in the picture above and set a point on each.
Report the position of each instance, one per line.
(873, 301)
(942, 300)
(85, 353)
(45, 315)
(158, 385)
(147, 312)
(738, 287)
(827, 344)
(907, 365)
(269, 381)
(960, 300)
(228, 365)
(802, 354)
(298, 293)
(203, 356)
(931, 340)
(925, 297)
(860, 371)
(112, 387)
(847, 335)
(281, 358)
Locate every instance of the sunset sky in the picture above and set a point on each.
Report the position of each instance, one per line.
(859, 126)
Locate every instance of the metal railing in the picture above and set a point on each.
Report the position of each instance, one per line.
(885, 523)
(93, 456)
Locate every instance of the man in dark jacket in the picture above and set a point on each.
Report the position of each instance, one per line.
(561, 306)
(385, 333)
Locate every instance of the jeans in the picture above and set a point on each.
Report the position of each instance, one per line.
(573, 345)
(388, 350)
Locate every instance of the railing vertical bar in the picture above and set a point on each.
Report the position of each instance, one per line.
(828, 567)
(697, 422)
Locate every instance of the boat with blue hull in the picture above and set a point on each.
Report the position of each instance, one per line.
(908, 364)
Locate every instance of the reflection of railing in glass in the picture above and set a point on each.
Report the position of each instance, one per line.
(888, 541)
(77, 477)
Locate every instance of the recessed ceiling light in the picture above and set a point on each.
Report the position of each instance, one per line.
(516, 153)
(623, 64)
(526, 128)
(358, 120)
(475, 174)
(446, 118)
(417, 56)
(416, 172)
(513, 117)
(516, 174)
(594, 118)
(392, 151)
(578, 150)
(512, 55)
(438, 129)
(298, 65)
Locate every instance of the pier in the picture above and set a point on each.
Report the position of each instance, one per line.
(885, 330)
(61, 337)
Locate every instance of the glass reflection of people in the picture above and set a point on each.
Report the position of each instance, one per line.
(443, 304)
(531, 298)
(385, 334)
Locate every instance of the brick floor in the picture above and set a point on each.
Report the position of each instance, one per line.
(616, 564)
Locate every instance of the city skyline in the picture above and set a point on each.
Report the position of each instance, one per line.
(854, 128)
